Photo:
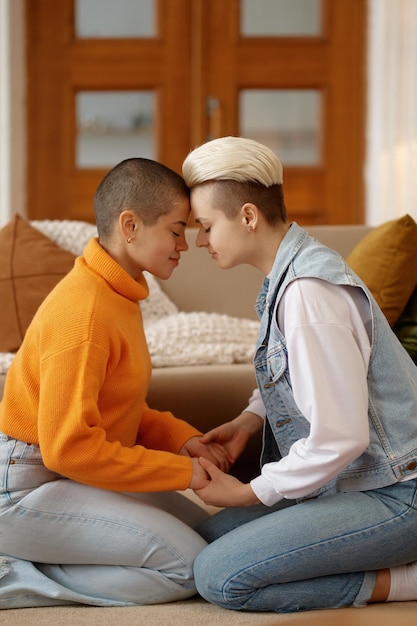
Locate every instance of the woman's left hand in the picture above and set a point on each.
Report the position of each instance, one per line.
(213, 451)
(223, 489)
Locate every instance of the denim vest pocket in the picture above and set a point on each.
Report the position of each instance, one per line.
(276, 365)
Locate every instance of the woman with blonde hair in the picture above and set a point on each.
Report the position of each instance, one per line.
(331, 519)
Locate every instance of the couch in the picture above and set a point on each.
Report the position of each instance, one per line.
(208, 393)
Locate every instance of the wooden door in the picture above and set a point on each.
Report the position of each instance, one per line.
(331, 64)
(60, 66)
(197, 65)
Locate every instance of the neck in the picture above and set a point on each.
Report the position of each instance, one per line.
(270, 238)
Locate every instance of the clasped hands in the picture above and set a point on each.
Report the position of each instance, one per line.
(212, 456)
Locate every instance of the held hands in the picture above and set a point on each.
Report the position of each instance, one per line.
(200, 477)
(222, 489)
(212, 456)
(233, 436)
(215, 452)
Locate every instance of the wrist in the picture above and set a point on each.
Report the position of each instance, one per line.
(249, 498)
(251, 422)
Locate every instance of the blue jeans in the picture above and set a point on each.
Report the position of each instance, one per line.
(317, 554)
(62, 542)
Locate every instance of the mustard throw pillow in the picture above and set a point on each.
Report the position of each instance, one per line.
(386, 260)
(30, 266)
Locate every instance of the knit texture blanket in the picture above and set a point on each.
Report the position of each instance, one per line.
(201, 339)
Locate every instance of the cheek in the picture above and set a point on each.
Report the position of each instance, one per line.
(151, 253)
(162, 246)
(223, 239)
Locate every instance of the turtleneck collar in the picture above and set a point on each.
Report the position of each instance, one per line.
(101, 262)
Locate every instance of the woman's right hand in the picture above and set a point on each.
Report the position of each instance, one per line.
(200, 477)
(234, 435)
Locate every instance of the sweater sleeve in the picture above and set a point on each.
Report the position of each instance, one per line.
(162, 428)
(98, 448)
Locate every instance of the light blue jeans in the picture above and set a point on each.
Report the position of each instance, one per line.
(317, 554)
(62, 542)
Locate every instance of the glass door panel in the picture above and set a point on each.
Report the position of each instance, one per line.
(114, 125)
(286, 120)
(109, 19)
(280, 18)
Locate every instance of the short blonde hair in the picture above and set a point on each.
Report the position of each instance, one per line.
(232, 158)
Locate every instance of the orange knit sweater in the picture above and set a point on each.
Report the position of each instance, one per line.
(77, 387)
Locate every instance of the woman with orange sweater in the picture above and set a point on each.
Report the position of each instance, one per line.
(84, 461)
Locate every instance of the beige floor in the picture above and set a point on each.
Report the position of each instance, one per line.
(196, 612)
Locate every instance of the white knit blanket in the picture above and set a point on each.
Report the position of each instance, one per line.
(174, 337)
(201, 339)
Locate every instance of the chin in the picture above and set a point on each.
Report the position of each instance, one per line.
(224, 265)
(164, 275)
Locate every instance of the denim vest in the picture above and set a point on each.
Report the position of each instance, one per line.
(392, 375)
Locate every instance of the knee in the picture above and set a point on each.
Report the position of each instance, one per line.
(212, 580)
(207, 579)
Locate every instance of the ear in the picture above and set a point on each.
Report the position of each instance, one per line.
(250, 216)
(128, 223)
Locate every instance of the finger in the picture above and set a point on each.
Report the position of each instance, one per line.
(210, 467)
(205, 463)
(212, 435)
(227, 459)
(218, 451)
(219, 446)
(219, 457)
(201, 493)
(214, 450)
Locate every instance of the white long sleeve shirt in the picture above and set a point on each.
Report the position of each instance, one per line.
(327, 330)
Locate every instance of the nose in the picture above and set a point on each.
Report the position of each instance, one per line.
(201, 239)
(182, 244)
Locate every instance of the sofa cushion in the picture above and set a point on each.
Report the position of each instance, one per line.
(30, 266)
(386, 260)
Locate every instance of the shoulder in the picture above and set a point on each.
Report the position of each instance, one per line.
(311, 300)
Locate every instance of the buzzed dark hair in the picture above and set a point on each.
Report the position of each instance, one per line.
(145, 186)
